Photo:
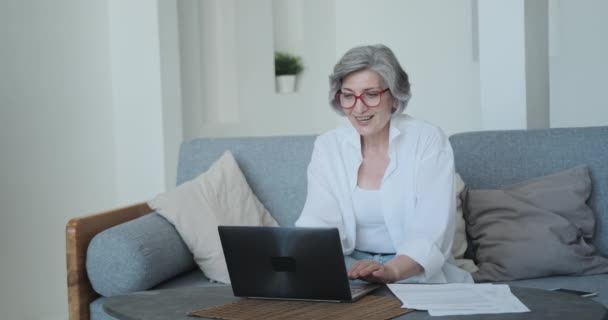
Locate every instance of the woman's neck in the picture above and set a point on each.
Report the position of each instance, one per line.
(376, 144)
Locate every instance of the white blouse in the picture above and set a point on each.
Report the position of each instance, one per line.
(417, 195)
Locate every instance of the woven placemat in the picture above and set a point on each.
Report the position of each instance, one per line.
(368, 307)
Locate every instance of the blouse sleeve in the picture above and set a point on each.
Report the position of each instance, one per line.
(321, 208)
(430, 228)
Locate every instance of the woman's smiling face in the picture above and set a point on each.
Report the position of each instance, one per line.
(369, 121)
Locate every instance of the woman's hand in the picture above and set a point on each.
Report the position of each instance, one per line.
(396, 269)
(372, 271)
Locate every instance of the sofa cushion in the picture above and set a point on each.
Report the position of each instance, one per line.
(136, 255)
(540, 227)
(459, 247)
(194, 278)
(275, 168)
(219, 196)
(494, 159)
(96, 310)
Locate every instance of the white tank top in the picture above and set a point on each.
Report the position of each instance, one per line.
(372, 233)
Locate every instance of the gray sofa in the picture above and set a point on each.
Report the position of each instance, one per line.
(147, 253)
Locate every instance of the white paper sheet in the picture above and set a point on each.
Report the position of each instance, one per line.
(458, 299)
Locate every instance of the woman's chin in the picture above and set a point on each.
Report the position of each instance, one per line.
(360, 126)
(364, 131)
(368, 130)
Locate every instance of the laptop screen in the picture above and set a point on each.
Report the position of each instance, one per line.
(285, 262)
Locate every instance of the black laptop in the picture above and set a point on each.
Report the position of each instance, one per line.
(288, 263)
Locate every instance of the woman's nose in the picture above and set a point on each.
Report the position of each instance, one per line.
(360, 106)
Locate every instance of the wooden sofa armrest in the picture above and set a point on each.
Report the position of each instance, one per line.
(78, 234)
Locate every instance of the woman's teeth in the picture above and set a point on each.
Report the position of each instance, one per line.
(366, 118)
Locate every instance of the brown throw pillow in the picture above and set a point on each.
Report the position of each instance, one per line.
(536, 228)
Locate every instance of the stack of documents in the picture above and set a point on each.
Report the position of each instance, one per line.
(458, 299)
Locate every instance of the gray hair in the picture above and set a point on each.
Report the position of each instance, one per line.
(378, 58)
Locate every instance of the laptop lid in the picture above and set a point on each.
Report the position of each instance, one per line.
(285, 263)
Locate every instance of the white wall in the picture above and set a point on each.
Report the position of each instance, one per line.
(579, 64)
(56, 137)
(171, 84)
(513, 67)
(502, 64)
(537, 64)
(437, 42)
(190, 66)
(259, 109)
(433, 40)
(74, 138)
(263, 111)
(62, 136)
(136, 99)
(288, 25)
(219, 63)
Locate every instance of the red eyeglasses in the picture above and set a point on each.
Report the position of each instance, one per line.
(371, 98)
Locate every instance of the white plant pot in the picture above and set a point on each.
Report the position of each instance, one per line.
(286, 83)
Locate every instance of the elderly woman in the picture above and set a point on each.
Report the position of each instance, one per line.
(387, 180)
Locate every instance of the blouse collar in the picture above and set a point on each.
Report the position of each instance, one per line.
(353, 139)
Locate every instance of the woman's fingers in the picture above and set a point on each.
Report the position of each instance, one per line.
(379, 275)
(364, 268)
(371, 267)
(360, 266)
(354, 270)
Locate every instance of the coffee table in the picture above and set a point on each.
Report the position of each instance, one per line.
(176, 303)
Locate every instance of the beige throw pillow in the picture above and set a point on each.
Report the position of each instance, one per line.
(459, 246)
(219, 196)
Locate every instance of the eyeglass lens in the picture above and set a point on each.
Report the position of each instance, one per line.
(370, 99)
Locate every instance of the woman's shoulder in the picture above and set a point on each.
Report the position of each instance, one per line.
(421, 135)
(336, 136)
(411, 125)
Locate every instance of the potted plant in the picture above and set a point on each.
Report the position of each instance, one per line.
(286, 67)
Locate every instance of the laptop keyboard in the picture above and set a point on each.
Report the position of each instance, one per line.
(355, 290)
(359, 288)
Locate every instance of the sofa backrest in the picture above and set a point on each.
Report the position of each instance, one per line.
(275, 168)
(492, 159)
